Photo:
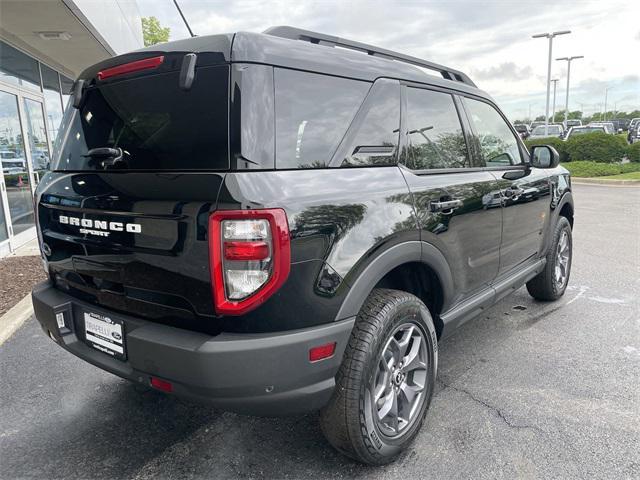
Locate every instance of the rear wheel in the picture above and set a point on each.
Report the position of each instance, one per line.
(551, 283)
(386, 380)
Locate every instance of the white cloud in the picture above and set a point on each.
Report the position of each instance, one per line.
(489, 40)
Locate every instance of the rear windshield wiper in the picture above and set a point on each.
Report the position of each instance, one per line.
(108, 157)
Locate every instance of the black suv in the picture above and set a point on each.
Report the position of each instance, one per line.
(276, 225)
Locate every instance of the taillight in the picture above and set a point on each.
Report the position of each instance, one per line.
(136, 66)
(250, 257)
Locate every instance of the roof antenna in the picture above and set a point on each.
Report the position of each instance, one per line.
(175, 2)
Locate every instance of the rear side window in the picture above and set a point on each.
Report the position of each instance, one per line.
(313, 113)
(155, 124)
(498, 143)
(377, 130)
(435, 138)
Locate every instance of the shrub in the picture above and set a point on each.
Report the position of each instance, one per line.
(555, 142)
(633, 152)
(596, 146)
(593, 169)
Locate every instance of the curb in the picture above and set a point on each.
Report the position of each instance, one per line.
(603, 181)
(15, 317)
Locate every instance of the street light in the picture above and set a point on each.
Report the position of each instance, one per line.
(550, 37)
(555, 84)
(606, 91)
(566, 104)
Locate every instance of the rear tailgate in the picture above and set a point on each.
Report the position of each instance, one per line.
(128, 230)
(134, 242)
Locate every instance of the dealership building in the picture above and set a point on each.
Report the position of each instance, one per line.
(44, 45)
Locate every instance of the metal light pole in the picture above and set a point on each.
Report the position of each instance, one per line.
(555, 84)
(606, 91)
(550, 37)
(566, 103)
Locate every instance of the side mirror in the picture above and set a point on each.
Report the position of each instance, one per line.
(544, 156)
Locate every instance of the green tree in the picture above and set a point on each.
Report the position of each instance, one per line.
(153, 32)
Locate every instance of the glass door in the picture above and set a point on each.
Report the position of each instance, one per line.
(24, 159)
(36, 131)
(16, 185)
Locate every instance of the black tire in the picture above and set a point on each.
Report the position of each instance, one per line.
(348, 420)
(545, 285)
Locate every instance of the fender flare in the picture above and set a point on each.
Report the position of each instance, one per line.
(566, 197)
(413, 251)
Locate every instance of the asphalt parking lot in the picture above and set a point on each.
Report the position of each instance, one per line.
(529, 390)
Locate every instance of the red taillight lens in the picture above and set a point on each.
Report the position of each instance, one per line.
(322, 351)
(161, 384)
(250, 257)
(246, 250)
(138, 65)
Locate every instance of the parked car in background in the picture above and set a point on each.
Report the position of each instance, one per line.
(634, 134)
(574, 131)
(572, 123)
(608, 126)
(10, 160)
(523, 130)
(542, 132)
(632, 128)
(621, 124)
(534, 125)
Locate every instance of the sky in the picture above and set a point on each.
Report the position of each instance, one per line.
(490, 41)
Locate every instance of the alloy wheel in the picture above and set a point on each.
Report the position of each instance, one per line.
(398, 385)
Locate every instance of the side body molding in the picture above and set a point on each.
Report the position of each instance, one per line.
(413, 251)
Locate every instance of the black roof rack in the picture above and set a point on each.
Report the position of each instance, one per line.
(331, 41)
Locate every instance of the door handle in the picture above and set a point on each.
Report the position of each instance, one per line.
(446, 207)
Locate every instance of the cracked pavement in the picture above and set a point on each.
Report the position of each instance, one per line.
(548, 391)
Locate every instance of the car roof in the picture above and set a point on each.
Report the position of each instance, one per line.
(321, 57)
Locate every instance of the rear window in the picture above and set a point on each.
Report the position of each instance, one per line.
(155, 124)
(313, 113)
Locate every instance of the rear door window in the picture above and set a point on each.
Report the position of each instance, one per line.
(435, 137)
(313, 112)
(156, 125)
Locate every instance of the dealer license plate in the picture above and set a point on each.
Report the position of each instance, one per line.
(105, 334)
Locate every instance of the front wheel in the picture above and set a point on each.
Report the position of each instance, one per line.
(386, 380)
(551, 283)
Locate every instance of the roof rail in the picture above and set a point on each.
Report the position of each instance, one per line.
(331, 41)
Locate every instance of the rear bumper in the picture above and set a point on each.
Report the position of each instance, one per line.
(258, 374)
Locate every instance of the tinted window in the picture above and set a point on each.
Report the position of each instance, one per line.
(67, 87)
(52, 98)
(313, 113)
(498, 143)
(376, 138)
(18, 68)
(435, 138)
(157, 125)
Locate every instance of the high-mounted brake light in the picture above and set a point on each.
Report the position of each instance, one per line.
(136, 66)
(249, 256)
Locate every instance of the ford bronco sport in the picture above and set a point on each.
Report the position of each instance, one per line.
(275, 225)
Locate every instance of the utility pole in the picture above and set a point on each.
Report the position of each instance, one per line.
(550, 36)
(566, 103)
(555, 84)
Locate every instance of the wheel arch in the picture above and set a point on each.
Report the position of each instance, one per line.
(416, 267)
